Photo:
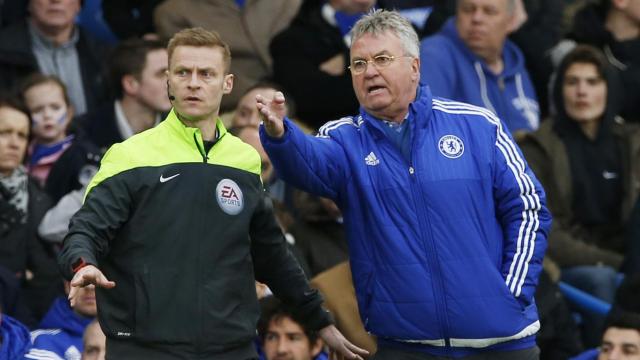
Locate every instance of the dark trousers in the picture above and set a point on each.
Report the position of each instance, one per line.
(394, 354)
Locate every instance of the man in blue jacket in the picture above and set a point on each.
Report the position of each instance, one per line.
(472, 60)
(446, 223)
(59, 335)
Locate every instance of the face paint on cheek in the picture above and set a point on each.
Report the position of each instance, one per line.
(63, 117)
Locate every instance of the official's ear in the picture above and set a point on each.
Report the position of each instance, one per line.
(227, 85)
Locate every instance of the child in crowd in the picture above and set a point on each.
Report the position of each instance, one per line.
(51, 112)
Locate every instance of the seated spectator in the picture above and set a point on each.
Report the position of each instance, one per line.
(94, 342)
(471, 60)
(621, 338)
(22, 206)
(59, 334)
(49, 42)
(246, 113)
(138, 74)
(540, 32)
(318, 231)
(585, 158)
(14, 338)
(51, 113)
(285, 335)
(310, 59)
(612, 26)
(248, 26)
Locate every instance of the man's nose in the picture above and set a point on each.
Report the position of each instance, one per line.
(194, 81)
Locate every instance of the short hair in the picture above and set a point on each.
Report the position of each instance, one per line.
(8, 100)
(377, 22)
(267, 83)
(38, 79)
(274, 310)
(585, 54)
(129, 58)
(200, 37)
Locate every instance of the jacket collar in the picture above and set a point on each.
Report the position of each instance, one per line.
(419, 113)
(189, 133)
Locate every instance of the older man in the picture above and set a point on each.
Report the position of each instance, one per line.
(446, 223)
(49, 42)
(472, 60)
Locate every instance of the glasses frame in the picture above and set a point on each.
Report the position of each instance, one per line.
(391, 59)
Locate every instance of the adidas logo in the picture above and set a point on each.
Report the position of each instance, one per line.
(371, 159)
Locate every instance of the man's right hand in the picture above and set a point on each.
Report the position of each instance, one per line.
(272, 112)
(86, 276)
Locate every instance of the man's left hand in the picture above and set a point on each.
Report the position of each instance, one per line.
(341, 348)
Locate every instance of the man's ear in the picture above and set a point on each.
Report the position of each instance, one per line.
(130, 84)
(227, 85)
(415, 69)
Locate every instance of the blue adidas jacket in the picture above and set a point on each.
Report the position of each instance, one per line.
(15, 338)
(452, 71)
(60, 333)
(445, 249)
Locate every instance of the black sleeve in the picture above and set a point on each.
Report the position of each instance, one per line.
(276, 267)
(106, 208)
(129, 18)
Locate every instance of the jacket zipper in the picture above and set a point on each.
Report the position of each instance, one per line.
(205, 158)
(428, 243)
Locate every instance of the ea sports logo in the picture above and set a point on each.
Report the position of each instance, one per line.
(451, 146)
(229, 197)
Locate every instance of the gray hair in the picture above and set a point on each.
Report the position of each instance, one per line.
(378, 22)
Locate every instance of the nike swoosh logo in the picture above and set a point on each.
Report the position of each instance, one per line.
(165, 179)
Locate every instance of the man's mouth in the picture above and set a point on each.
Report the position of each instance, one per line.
(375, 89)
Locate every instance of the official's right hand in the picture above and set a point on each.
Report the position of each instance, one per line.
(86, 276)
(272, 112)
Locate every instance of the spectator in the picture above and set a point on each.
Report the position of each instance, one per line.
(94, 342)
(59, 335)
(14, 338)
(586, 159)
(130, 18)
(138, 75)
(51, 113)
(540, 32)
(471, 60)
(248, 26)
(49, 42)
(621, 338)
(319, 232)
(613, 26)
(22, 206)
(286, 335)
(433, 193)
(310, 59)
(246, 113)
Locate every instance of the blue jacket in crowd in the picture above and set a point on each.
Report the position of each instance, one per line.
(452, 71)
(60, 333)
(15, 338)
(446, 248)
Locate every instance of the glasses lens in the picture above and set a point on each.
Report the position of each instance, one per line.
(382, 60)
(358, 66)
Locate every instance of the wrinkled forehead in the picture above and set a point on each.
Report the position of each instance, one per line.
(369, 44)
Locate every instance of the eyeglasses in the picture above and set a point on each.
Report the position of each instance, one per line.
(381, 61)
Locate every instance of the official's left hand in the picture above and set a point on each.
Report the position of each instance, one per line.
(341, 348)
